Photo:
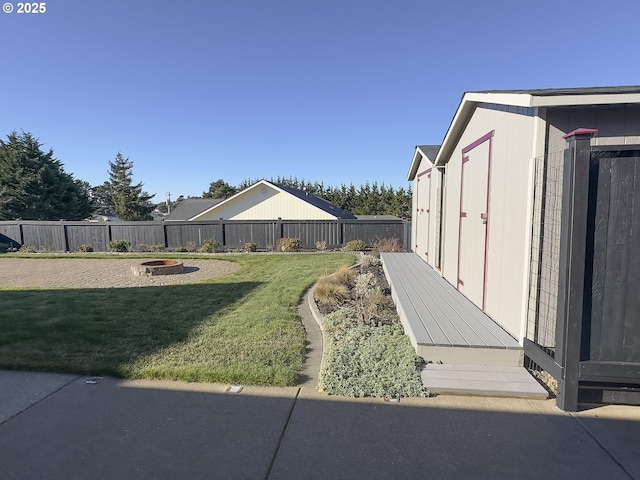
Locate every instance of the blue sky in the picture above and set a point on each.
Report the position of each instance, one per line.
(331, 91)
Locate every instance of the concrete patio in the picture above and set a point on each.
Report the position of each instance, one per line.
(60, 427)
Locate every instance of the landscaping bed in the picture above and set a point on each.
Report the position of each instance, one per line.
(368, 354)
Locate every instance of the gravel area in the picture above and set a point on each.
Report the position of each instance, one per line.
(101, 273)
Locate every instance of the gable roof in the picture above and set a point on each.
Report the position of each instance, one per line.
(190, 207)
(302, 195)
(430, 152)
(551, 97)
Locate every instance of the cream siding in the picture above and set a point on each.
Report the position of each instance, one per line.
(508, 228)
(265, 203)
(616, 124)
(422, 218)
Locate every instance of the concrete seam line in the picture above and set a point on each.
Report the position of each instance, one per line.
(281, 438)
(43, 398)
(590, 433)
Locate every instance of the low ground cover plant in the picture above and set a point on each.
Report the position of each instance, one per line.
(368, 353)
(241, 328)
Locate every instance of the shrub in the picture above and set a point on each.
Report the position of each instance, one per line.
(330, 293)
(369, 261)
(289, 244)
(250, 247)
(141, 247)
(85, 248)
(209, 246)
(158, 247)
(119, 246)
(369, 297)
(321, 246)
(387, 245)
(369, 361)
(191, 247)
(344, 275)
(180, 249)
(28, 249)
(355, 246)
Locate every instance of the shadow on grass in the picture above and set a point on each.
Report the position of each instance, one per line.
(104, 331)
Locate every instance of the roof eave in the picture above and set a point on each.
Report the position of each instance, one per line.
(470, 101)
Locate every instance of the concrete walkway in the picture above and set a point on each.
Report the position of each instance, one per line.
(60, 427)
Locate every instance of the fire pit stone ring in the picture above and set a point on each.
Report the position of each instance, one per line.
(158, 267)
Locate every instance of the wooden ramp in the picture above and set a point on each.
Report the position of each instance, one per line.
(443, 325)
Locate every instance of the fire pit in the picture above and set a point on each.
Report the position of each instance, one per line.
(158, 267)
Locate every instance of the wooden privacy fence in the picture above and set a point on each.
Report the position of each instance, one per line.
(64, 236)
(584, 308)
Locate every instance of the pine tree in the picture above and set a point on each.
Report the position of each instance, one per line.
(35, 185)
(128, 202)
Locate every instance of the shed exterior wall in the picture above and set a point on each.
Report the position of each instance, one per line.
(616, 124)
(508, 227)
(424, 186)
(265, 203)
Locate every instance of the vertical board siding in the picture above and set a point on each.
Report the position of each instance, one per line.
(311, 232)
(179, 234)
(615, 260)
(10, 234)
(152, 234)
(46, 236)
(230, 234)
(371, 231)
(237, 234)
(96, 235)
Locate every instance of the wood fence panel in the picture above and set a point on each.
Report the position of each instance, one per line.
(95, 234)
(179, 234)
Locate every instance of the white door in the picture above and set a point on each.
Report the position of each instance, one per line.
(423, 207)
(474, 219)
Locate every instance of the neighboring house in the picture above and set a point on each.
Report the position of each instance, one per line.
(267, 201)
(485, 218)
(190, 207)
(104, 215)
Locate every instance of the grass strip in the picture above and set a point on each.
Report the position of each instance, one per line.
(240, 328)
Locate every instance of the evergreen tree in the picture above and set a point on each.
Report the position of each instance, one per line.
(219, 189)
(128, 202)
(35, 185)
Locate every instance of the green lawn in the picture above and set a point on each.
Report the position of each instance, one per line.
(241, 328)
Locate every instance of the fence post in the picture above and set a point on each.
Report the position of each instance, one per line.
(279, 229)
(571, 288)
(20, 233)
(65, 236)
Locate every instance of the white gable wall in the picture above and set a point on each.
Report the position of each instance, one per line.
(265, 203)
(510, 149)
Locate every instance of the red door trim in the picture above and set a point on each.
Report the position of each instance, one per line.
(465, 158)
